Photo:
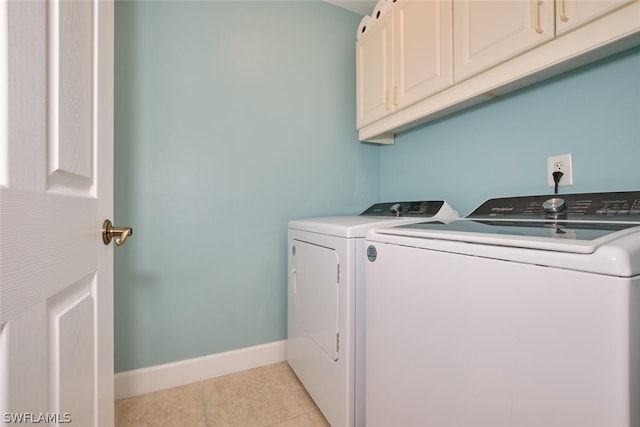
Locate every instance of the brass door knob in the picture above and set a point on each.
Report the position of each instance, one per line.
(120, 233)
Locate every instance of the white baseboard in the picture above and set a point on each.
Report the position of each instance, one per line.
(159, 377)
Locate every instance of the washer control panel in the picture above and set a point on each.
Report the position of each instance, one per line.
(425, 208)
(623, 206)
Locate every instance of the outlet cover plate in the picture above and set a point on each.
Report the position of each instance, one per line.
(562, 163)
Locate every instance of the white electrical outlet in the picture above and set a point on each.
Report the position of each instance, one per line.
(563, 164)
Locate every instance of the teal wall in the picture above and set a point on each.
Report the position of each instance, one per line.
(231, 119)
(500, 148)
(234, 117)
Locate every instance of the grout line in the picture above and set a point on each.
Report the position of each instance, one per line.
(204, 404)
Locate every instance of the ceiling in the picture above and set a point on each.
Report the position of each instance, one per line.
(361, 7)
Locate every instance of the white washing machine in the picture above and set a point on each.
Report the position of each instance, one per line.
(524, 313)
(326, 305)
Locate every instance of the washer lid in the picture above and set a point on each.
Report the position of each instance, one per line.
(569, 236)
(578, 223)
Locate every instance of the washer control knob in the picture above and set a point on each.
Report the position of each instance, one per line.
(554, 205)
(396, 209)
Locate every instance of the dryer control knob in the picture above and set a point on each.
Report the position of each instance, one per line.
(554, 205)
(396, 209)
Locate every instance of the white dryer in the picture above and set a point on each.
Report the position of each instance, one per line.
(524, 313)
(326, 306)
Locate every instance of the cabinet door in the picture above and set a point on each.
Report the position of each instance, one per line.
(571, 14)
(422, 50)
(373, 72)
(486, 33)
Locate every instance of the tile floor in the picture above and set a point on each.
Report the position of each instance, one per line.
(267, 396)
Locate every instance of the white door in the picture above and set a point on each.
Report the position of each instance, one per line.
(56, 188)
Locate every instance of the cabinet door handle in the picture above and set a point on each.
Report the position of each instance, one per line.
(395, 95)
(539, 29)
(563, 12)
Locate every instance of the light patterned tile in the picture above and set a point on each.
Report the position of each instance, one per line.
(299, 421)
(175, 407)
(258, 397)
(266, 396)
(317, 419)
(298, 389)
(301, 395)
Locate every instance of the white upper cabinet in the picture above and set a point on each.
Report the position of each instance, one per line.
(427, 58)
(490, 32)
(373, 70)
(403, 58)
(422, 49)
(573, 13)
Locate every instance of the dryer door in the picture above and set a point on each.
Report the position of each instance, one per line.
(315, 288)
